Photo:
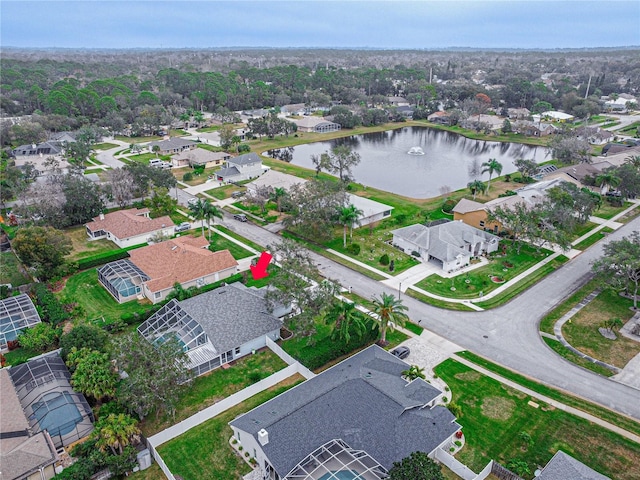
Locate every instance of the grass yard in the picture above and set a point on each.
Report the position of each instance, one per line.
(204, 451)
(582, 333)
(567, 354)
(590, 240)
(218, 242)
(494, 415)
(582, 229)
(224, 192)
(216, 385)
(437, 302)
(622, 421)
(547, 323)
(96, 302)
(130, 140)
(145, 157)
(82, 247)
(470, 284)
(104, 146)
(11, 271)
(20, 355)
(608, 211)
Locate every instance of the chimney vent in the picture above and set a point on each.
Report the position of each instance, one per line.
(102, 216)
(263, 437)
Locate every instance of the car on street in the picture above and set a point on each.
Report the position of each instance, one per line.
(241, 217)
(184, 226)
(401, 352)
(192, 201)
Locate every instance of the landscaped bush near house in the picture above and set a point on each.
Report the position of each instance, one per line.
(50, 308)
(384, 259)
(448, 205)
(187, 177)
(354, 248)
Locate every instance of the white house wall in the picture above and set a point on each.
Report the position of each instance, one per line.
(199, 282)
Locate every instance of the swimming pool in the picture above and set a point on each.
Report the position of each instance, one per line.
(57, 413)
(341, 475)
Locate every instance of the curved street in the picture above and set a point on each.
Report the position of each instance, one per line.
(507, 335)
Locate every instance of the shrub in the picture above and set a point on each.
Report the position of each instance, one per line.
(255, 377)
(246, 454)
(39, 337)
(392, 266)
(354, 248)
(458, 443)
(101, 259)
(415, 254)
(12, 344)
(455, 409)
(244, 148)
(187, 177)
(400, 218)
(384, 259)
(51, 309)
(448, 205)
(83, 336)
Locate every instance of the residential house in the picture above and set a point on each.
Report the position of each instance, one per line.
(129, 227)
(441, 118)
(405, 111)
(354, 419)
(594, 135)
(218, 326)
(554, 116)
(154, 270)
(173, 145)
(244, 167)
(24, 454)
(16, 314)
(294, 109)
(44, 149)
(451, 243)
(315, 124)
(398, 101)
(564, 467)
(43, 388)
(493, 121)
(60, 138)
(199, 157)
(518, 113)
(372, 211)
(272, 179)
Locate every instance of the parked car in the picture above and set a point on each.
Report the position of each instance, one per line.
(240, 216)
(183, 227)
(237, 194)
(155, 162)
(401, 352)
(192, 201)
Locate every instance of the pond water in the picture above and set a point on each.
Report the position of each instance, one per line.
(448, 159)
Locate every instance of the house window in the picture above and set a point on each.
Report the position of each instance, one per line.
(157, 295)
(238, 353)
(386, 213)
(482, 223)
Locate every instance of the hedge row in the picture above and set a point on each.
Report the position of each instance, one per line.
(327, 350)
(102, 258)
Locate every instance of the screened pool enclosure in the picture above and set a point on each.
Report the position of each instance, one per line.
(122, 279)
(16, 314)
(49, 402)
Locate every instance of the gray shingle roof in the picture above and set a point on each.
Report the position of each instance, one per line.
(363, 401)
(228, 172)
(231, 315)
(565, 467)
(245, 159)
(172, 143)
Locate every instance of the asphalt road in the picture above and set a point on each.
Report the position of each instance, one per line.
(508, 335)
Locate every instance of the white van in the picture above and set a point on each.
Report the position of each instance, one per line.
(155, 162)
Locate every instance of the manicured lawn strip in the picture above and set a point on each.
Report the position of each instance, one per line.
(590, 240)
(223, 192)
(84, 289)
(240, 238)
(145, 157)
(151, 473)
(438, 303)
(607, 211)
(216, 385)
(218, 242)
(104, 146)
(610, 416)
(582, 331)
(130, 140)
(11, 270)
(582, 229)
(547, 323)
(523, 284)
(567, 354)
(204, 451)
(493, 416)
(412, 327)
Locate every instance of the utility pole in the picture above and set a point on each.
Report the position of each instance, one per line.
(586, 94)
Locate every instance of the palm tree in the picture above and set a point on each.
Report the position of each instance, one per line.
(608, 179)
(344, 316)
(414, 372)
(633, 160)
(389, 313)
(116, 432)
(155, 149)
(492, 166)
(475, 187)
(210, 212)
(197, 211)
(347, 216)
(277, 195)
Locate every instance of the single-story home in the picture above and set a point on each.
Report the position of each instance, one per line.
(294, 109)
(518, 113)
(243, 167)
(43, 387)
(554, 116)
(354, 419)
(16, 314)
(316, 124)
(594, 135)
(153, 270)
(398, 101)
(441, 118)
(173, 145)
(372, 211)
(200, 157)
(24, 454)
(450, 243)
(405, 111)
(272, 179)
(218, 326)
(44, 149)
(564, 467)
(128, 227)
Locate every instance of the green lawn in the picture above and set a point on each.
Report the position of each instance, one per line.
(547, 323)
(438, 303)
(20, 355)
(218, 242)
(82, 247)
(469, 285)
(96, 302)
(11, 271)
(590, 240)
(253, 245)
(130, 140)
(494, 415)
(624, 422)
(145, 157)
(204, 451)
(582, 229)
(608, 211)
(104, 146)
(569, 355)
(216, 385)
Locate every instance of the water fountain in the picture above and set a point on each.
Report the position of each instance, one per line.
(415, 151)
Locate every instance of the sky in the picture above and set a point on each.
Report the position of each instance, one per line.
(394, 24)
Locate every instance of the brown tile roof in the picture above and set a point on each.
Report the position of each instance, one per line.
(129, 223)
(19, 455)
(181, 260)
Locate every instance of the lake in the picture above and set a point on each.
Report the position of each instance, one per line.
(448, 159)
